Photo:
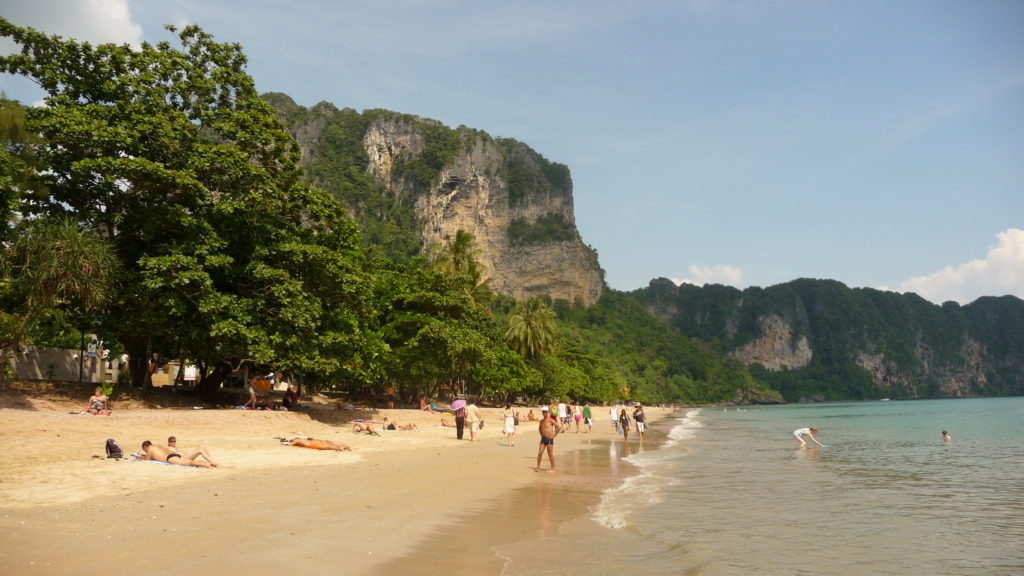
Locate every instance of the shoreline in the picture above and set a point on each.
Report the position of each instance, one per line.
(268, 507)
(503, 537)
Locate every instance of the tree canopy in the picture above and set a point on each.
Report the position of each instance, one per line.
(228, 255)
(172, 154)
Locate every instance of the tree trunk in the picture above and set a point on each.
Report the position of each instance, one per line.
(211, 382)
(4, 363)
(138, 362)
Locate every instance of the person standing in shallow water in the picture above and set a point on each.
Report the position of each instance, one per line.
(809, 432)
(624, 425)
(548, 428)
(641, 420)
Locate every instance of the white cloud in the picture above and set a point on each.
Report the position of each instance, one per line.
(717, 274)
(94, 21)
(999, 273)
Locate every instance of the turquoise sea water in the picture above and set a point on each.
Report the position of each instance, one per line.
(730, 492)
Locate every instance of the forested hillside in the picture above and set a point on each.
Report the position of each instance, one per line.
(819, 339)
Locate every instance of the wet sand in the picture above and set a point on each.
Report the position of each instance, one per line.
(518, 531)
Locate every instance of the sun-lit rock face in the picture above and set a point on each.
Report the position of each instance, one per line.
(487, 187)
(473, 194)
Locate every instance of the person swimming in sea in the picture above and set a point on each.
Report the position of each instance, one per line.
(946, 437)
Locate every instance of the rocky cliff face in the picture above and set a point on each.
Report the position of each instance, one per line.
(952, 381)
(777, 348)
(472, 194)
(471, 191)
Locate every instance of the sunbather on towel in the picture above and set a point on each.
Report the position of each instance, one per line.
(156, 453)
(172, 445)
(316, 444)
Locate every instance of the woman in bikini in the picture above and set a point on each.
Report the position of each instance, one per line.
(156, 453)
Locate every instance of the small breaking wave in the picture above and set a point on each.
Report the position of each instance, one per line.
(620, 503)
(686, 428)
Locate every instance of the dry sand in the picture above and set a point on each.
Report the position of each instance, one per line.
(64, 508)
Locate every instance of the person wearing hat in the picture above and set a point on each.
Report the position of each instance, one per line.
(548, 428)
(640, 419)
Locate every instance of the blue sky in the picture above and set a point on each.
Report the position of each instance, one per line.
(878, 143)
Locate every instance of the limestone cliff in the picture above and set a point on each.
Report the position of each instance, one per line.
(818, 339)
(462, 179)
(472, 193)
(777, 348)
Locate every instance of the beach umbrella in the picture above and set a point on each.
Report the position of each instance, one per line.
(458, 404)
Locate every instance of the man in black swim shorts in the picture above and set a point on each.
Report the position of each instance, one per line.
(548, 428)
(161, 454)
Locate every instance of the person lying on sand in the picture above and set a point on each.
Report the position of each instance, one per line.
(156, 453)
(446, 422)
(172, 445)
(394, 425)
(316, 444)
(365, 428)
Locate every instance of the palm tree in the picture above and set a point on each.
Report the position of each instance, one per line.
(459, 258)
(458, 255)
(53, 263)
(531, 328)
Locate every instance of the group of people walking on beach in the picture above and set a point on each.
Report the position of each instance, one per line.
(551, 423)
(621, 423)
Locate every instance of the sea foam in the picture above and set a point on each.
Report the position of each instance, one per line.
(646, 489)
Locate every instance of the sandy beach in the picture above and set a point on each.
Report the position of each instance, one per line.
(65, 508)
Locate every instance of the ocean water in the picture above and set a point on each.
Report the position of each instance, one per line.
(730, 493)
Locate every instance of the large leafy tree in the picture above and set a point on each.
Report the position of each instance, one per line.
(170, 151)
(17, 162)
(434, 334)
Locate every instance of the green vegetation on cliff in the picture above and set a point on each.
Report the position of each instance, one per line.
(527, 172)
(921, 349)
(547, 229)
